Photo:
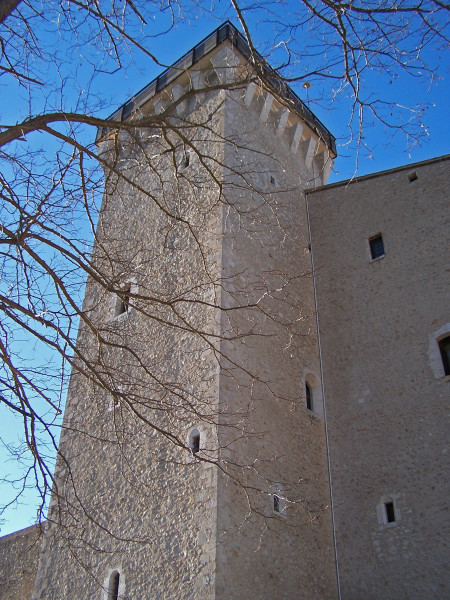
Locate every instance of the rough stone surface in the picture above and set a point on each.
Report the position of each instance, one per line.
(130, 500)
(259, 554)
(386, 408)
(19, 555)
(219, 337)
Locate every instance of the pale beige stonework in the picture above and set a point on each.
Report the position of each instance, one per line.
(386, 406)
(19, 555)
(174, 525)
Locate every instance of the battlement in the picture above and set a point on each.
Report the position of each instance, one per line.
(262, 73)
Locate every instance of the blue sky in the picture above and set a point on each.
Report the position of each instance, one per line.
(387, 148)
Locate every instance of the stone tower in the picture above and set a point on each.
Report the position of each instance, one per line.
(193, 462)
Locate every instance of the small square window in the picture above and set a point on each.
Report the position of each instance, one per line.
(388, 512)
(376, 246)
(412, 176)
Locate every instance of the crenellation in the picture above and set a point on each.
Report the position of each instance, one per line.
(224, 63)
(178, 91)
(282, 122)
(268, 102)
(249, 93)
(298, 130)
(324, 165)
(309, 146)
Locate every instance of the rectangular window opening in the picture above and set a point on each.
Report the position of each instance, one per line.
(186, 161)
(390, 512)
(444, 347)
(412, 176)
(124, 301)
(276, 503)
(114, 581)
(196, 444)
(309, 397)
(376, 246)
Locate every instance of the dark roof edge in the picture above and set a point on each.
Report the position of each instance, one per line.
(378, 174)
(226, 31)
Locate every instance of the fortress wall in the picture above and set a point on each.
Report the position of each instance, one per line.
(19, 554)
(386, 402)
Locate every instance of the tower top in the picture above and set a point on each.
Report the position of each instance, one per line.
(226, 32)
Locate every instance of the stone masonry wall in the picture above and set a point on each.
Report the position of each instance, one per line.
(210, 243)
(270, 441)
(386, 402)
(130, 497)
(19, 554)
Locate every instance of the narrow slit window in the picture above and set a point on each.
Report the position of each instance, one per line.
(276, 503)
(444, 347)
(113, 587)
(376, 246)
(194, 441)
(278, 500)
(309, 397)
(124, 301)
(186, 161)
(390, 511)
